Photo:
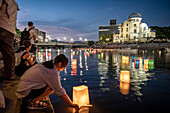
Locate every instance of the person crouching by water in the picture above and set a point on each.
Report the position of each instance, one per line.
(42, 80)
(25, 59)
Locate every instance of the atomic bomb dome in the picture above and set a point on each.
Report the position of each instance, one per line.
(135, 15)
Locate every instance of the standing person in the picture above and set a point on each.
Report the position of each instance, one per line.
(32, 36)
(42, 80)
(8, 16)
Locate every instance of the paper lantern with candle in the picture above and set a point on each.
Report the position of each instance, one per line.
(125, 76)
(81, 95)
(151, 62)
(146, 61)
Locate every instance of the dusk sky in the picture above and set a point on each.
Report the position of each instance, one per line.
(81, 18)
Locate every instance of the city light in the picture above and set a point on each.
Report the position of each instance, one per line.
(85, 39)
(64, 38)
(72, 39)
(80, 38)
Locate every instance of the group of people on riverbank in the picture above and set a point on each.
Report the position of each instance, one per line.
(38, 80)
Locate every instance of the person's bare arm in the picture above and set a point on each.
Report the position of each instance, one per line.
(66, 98)
(28, 57)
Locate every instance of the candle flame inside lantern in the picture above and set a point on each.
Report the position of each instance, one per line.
(81, 95)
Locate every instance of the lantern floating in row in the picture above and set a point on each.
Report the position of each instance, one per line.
(125, 76)
(81, 96)
(125, 59)
(151, 62)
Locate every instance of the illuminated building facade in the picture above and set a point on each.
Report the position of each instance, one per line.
(133, 30)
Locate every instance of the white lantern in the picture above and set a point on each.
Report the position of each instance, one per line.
(81, 95)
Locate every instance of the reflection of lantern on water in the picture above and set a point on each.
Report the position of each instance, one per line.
(81, 95)
(48, 54)
(74, 66)
(143, 51)
(84, 53)
(125, 76)
(98, 56)
(124, 88)
(77, 52)
(101, 55)
(146, 67)
(150, 68)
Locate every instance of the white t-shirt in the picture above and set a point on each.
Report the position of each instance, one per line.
(37, 77)
(32, 33)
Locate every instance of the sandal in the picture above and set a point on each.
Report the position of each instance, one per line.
(37, 105)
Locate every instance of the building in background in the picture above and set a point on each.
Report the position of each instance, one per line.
(108, 30)
(41, 35)
(133, 30)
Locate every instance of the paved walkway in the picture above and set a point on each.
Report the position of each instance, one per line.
(12, 105)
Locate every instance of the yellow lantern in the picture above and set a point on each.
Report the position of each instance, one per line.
(81, 96)
(74, 61)
(146, 67)
(125, 76)
(125, 59)
(146, 61)
(124, 88)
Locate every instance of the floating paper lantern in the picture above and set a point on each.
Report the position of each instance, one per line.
(101, 55)
(133, 58)
(125, 76)
(43, 54)
(48, 54)
(39, 54)
(136, 62)
(81, 95)
(151, 62)
(73, 53)
(146, 61)
(124, 88)
(125, 59)
(140, 60)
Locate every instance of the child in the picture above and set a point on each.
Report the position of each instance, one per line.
(42, 80)
(26, 59)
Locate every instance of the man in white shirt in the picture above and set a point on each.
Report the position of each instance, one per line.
(8, 16)
(32, 36)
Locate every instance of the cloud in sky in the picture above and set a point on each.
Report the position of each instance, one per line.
(63, 28)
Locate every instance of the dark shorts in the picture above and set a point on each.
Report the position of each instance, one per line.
(35, 93)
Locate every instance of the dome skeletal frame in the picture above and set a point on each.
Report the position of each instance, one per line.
(133, 15)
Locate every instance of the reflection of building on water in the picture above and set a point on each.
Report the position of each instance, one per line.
(43, 55)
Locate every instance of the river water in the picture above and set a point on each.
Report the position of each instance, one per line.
(146, 87)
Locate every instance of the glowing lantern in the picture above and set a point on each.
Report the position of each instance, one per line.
(125, 76)
(124, 88)
(151, 62)
(136, 62)
(81, 95)
(146, 61)
(101, 55)
(73, 53)
(48, 54)
(98, 56)
(133, 58)
(43, 54)
(125, 59)
(143, 52)
(140, 60)
(39, 54)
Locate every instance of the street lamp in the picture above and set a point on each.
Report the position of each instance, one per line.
(64, 38)
(71, 39)
(80, 38)
(85, 39)
(58, 39)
